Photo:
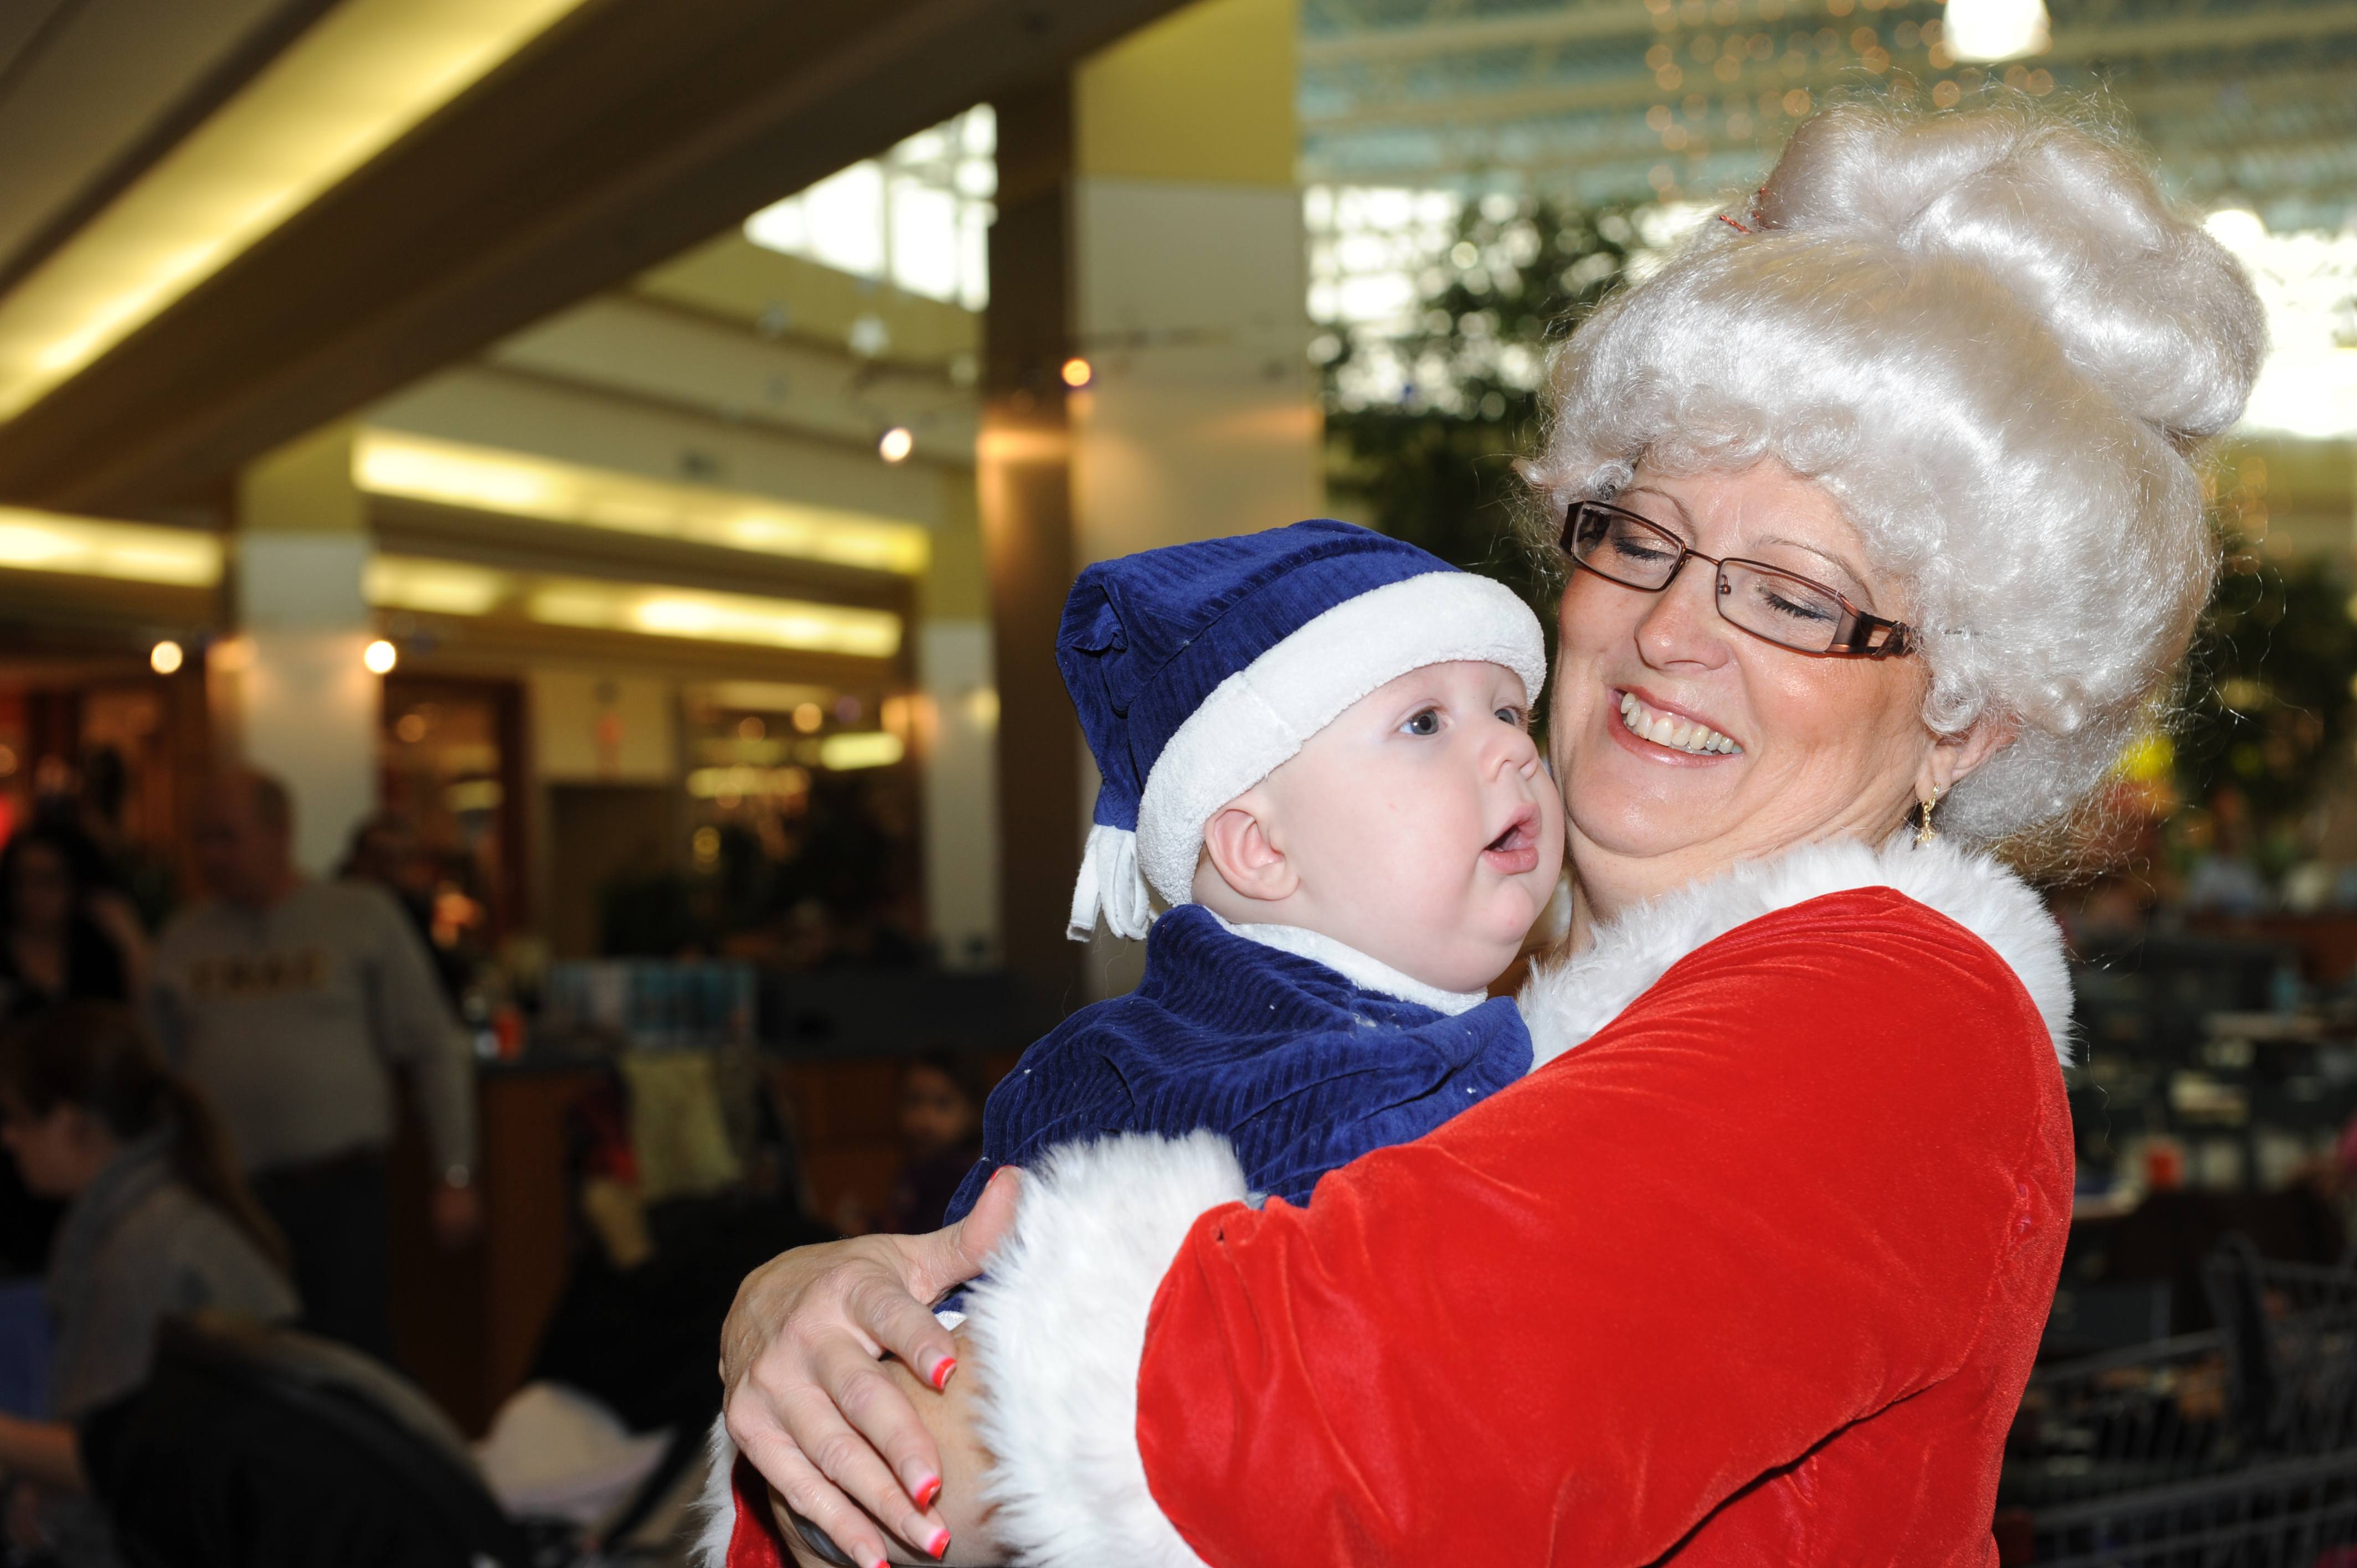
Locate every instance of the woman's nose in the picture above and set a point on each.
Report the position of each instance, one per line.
(1683, 626)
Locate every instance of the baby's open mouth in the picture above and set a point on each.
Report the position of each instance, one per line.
(1516, 850)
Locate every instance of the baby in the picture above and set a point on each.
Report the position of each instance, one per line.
(1315, 749)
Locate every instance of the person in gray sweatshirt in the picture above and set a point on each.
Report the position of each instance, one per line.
(287, 1001)
(158, 1223)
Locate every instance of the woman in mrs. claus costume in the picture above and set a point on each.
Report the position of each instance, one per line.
(1752, 1268)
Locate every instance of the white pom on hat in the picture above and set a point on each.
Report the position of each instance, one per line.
(1112, 885)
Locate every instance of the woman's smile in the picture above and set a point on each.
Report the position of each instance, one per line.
(1658, 724)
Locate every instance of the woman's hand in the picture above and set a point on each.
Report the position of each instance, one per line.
(809, 1404)
(950, 1415)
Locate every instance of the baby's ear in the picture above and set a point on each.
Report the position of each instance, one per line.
(1241, 851)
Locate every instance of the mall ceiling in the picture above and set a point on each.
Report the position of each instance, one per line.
(607, 137)
(2246, 101)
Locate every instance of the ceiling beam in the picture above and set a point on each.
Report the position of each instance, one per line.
(215, 83)
(1426, 42)
(1610, 95)
(632, 131)
(2166, 109)
(1529, 30)
(2117, 42)
(2182, 119)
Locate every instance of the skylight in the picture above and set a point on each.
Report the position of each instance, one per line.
(2309, 283)
(918, 218)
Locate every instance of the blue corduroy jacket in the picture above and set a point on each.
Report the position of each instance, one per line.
(1300, 1068)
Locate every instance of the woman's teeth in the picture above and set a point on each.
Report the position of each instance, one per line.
(1670, 730)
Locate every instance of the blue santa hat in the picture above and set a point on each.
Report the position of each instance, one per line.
(1199, 669)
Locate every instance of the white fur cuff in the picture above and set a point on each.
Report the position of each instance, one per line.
(1061, 1326)
(714, 1511)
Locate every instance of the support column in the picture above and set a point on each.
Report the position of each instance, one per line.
(1148, 223)
(958, 739)
(290, 695)
(1023, 483)
(1190, 285)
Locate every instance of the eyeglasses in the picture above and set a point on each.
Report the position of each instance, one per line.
(1775, 606)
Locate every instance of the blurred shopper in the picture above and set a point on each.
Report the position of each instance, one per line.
(159, 1224)
(143, 878)
(286, 1000)
(56, 942)
(941, 1136)
(2226, 880)
(385, 850)
(59, 942)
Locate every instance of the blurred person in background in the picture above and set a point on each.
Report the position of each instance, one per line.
(288, 1001)
(940, 1132)
(385, 850)
(2226, 878)
(61, 940)
(134, 872)
(160, 1223)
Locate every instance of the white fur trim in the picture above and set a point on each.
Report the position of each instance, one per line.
(1061, 1325)
(714, 1511)
(1567, 1002)
(1366, 973)
(1259, 717)
(1110, 884)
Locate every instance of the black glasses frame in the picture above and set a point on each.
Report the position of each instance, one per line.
(1860, 635)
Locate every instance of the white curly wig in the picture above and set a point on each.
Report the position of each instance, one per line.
(1988, 338)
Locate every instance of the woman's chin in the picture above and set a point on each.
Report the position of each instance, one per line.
(1651, 831)
(1646, 816)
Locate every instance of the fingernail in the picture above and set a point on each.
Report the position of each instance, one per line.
(927, 1490)
(940, 1543)
(941, 1370)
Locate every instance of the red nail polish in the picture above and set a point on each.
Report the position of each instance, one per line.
(939, 1544)
(927, 1490)
(941, 1371)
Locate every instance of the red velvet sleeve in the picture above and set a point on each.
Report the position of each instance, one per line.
(1770, 1200)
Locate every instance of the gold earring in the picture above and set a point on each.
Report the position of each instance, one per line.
(1924, 832)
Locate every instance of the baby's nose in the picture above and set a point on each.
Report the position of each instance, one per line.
(1511, 749)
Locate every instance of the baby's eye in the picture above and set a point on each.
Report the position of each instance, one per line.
(1424, 722)
(1514, 717)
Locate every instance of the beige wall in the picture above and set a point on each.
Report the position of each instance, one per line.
(1189, 298)
(599, 727)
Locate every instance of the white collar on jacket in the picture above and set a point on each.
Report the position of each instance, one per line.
(1366, 973)
(1566, 1004)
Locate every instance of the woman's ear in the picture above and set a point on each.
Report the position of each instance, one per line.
(1955, 757)
(1237, 841)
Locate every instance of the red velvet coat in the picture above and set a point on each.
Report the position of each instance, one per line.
(1752, 1275)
